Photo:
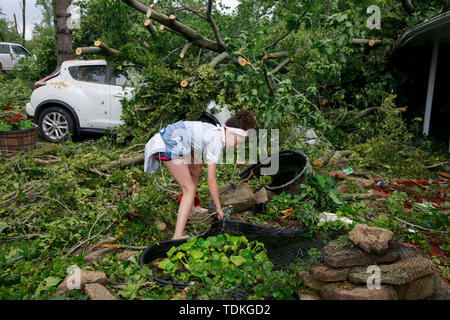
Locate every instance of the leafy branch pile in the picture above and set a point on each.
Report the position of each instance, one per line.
(230, 264)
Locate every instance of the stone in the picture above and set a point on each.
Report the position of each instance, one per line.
(339, 257)
(308, 296)
(442, 291)
(344, 291)
(310, 281)
(325, 273)
(96, 256)
(124, 255)
(240, 198)
(96, 291)
(77, 278)
(397, 273)
(421, 288)
(261, 196)
(371, 239)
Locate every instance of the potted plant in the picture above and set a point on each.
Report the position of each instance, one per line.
(16, 132)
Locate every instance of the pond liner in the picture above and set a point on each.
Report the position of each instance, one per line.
(291, 172)
(283, 246)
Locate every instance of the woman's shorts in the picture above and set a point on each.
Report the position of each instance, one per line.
(177, 141)
(165, 156)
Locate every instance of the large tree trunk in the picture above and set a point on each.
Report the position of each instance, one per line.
(64, 49)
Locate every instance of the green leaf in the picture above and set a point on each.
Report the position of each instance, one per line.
(196, 254)
(51, 282)
(171, 251)
(179, 255)
(166, 264)
(3, 226)
(237, 260)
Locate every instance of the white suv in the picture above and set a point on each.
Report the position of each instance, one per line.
(81, 96)
(10, 55)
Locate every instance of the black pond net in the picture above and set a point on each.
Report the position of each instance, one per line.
(283, 247)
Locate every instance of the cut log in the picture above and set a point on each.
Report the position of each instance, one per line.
(369, 42)
(125, 162)
(185, 48)
(150, 27)
(242, 61)
(105, 49)
(88, 50)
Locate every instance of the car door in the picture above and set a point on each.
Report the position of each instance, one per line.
(121, 86)
(18, 53)
(6, 56)
(88, 93)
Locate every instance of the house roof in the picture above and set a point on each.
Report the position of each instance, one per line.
(435, 28)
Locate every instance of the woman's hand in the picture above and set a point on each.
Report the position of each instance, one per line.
(220, 213)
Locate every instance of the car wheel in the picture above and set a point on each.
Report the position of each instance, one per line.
(55, 123)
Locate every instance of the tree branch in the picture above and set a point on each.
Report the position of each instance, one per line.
(284, 63)
(268, 81)
(181, 29)
(209, 17)
(275, 55)
(171, 53)
(198, 12)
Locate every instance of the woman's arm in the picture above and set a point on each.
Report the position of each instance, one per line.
(213, 188)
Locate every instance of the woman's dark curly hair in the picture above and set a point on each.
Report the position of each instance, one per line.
(243, 119)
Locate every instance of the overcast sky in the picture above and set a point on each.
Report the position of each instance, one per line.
(33, 15)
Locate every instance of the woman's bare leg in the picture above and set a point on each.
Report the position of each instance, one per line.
(180, 171)
(195, 168)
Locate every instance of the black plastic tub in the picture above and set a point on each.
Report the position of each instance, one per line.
(284, 246)
(291, 173)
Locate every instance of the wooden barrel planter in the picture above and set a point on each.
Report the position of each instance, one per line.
(18, 139)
